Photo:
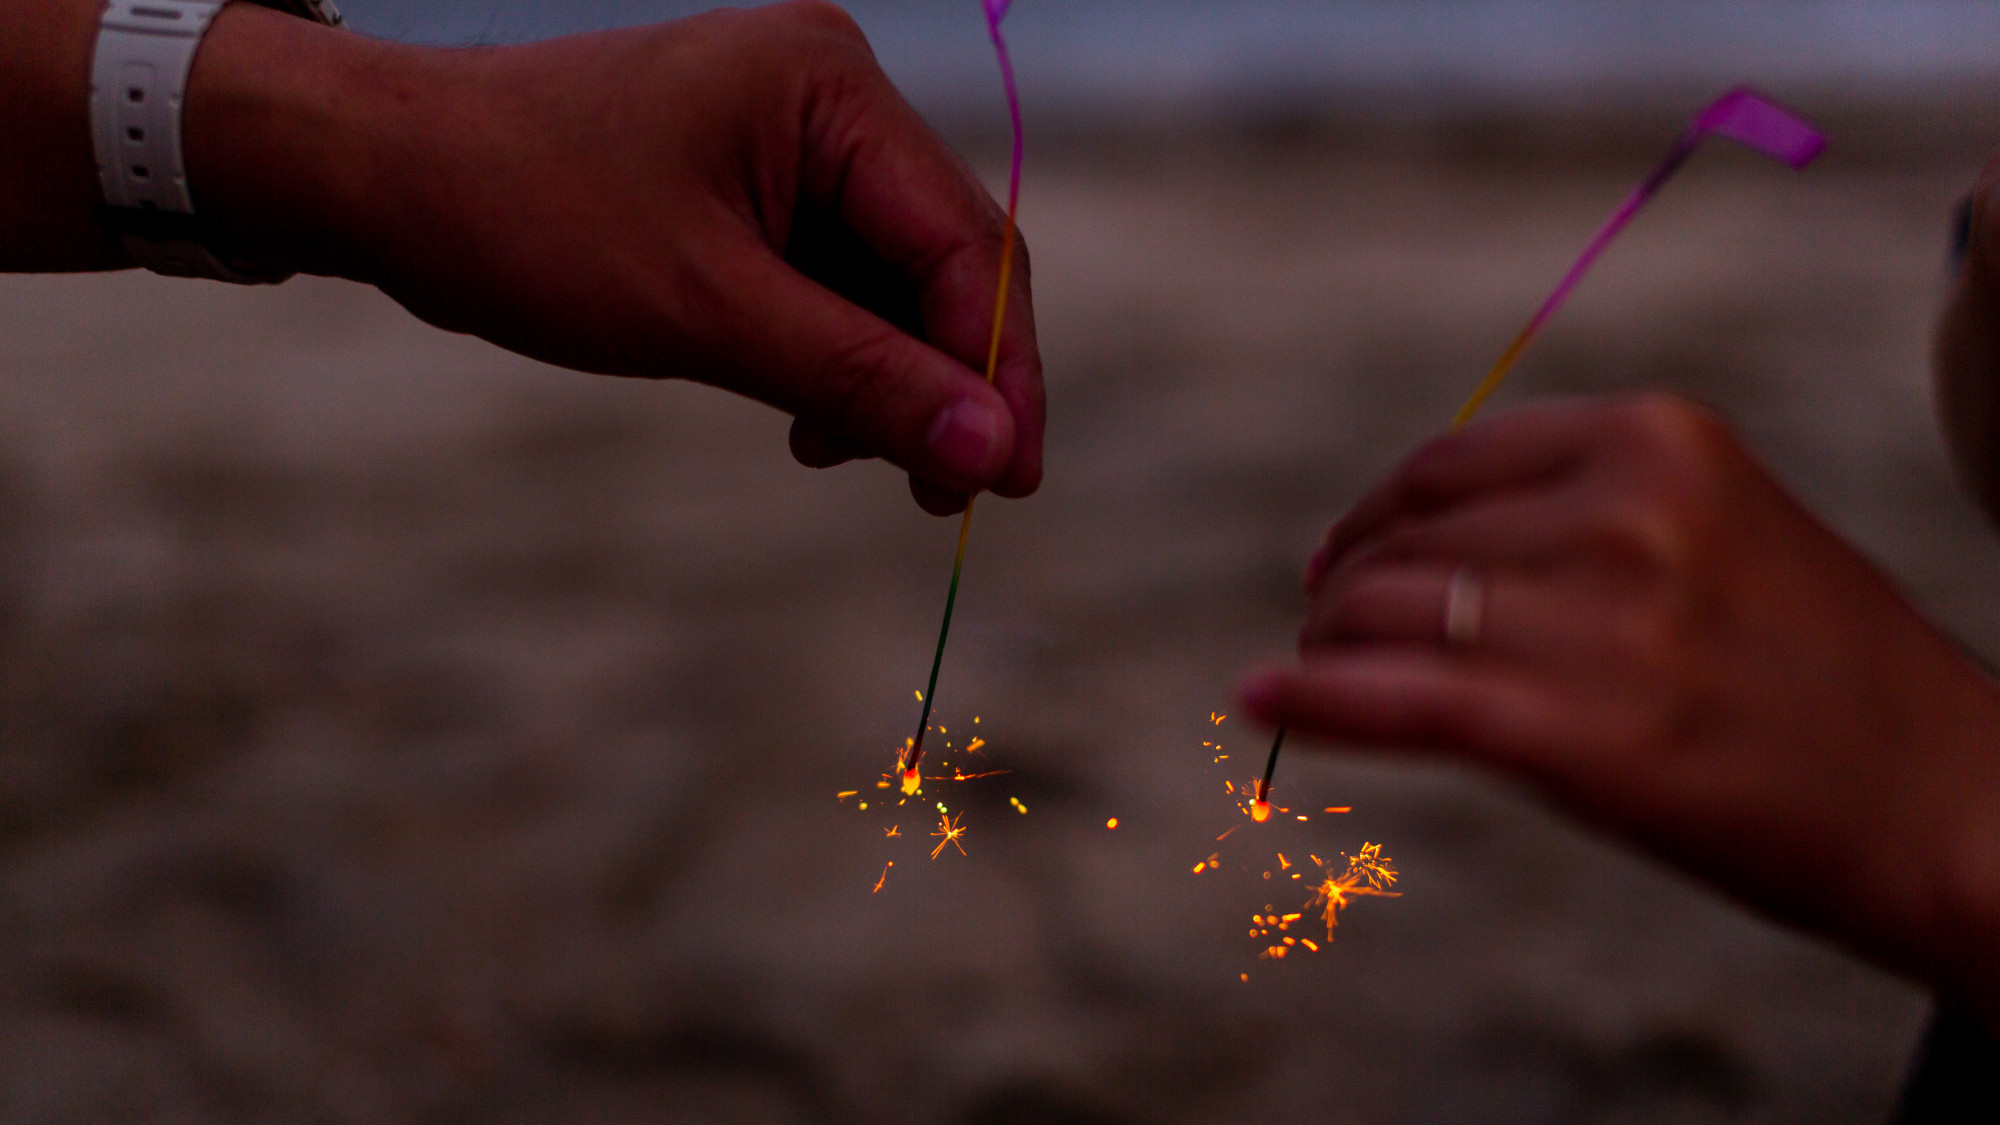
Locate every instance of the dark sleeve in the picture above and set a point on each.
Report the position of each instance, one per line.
(1956, 1077)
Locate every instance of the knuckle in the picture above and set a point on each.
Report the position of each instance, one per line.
(824, 16)
(1643, 535)
(1668, 426)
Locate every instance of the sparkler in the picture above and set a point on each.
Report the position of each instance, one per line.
(1742, 115)
(996, 11)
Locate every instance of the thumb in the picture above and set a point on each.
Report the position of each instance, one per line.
(856, 378)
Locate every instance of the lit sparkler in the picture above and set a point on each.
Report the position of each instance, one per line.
(1331, 887)
(1742, 115)
(996, 11)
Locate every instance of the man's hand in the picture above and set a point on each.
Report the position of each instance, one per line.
(741, 199)
(1672, 648)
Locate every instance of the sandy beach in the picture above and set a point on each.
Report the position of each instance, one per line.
(395, 730)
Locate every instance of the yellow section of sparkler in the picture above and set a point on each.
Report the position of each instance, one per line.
(1494, 378)
(992, 364)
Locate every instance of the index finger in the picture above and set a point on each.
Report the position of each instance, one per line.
(1514, 450)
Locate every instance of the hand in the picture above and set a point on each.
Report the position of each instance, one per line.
(741, 198)
(1653, 633)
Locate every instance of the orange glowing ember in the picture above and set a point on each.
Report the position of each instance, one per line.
(950, 830)
(912, 781)
(1260, 811)
(1112, 823)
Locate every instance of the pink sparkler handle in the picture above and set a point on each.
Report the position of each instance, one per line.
(996, 11)
(1742, 115)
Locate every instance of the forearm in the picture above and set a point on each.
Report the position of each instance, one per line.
(294, 134)
(48, 176)
(288, 128)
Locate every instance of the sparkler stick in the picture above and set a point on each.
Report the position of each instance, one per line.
(1742, 115)
(996, 11)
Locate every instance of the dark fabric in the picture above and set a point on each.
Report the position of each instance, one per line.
(1956, 1077)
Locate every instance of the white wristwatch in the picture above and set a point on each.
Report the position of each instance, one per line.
(139, 76)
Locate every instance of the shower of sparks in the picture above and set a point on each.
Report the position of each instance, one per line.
(1331, 888)
(893, 805)
(996, 12)
(1742, 115)
(951, 831)
(1368, 874)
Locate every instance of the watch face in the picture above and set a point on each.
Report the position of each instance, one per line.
(318, 11)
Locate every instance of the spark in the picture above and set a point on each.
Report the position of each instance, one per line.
(973, 747)
(846, 795)
(950, 831)
(1341, 809)
(1368, 874)
(884, 878)
(1212, 863)
(961, 775)
(894, 831)
(1227, 835)
(1112, 823)
(1018, 806)
(1215, 718)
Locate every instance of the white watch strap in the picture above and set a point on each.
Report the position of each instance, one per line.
(138, 80)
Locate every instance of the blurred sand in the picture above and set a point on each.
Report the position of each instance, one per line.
(372, 701)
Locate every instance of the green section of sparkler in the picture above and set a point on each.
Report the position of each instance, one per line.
(944, 633)
(1271, 766)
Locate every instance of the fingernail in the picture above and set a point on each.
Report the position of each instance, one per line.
(965, 439)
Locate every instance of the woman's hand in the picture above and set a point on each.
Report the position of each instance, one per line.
(1615, 602)
(741, 198)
